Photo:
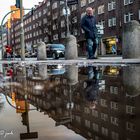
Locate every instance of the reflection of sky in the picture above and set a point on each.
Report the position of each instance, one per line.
(45, 126)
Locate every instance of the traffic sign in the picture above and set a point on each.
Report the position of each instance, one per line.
(100, 29)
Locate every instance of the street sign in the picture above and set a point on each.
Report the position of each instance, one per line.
(100, 29)
(72, 2)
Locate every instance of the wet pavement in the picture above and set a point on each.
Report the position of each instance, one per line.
(75, 101)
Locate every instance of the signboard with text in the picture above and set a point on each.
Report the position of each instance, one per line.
(72, 2)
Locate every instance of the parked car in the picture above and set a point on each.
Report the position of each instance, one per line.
(55, 50)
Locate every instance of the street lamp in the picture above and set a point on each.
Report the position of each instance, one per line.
(22, 43)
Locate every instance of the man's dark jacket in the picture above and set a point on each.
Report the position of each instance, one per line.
(88, 24)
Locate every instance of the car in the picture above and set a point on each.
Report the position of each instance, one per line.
(55, 50)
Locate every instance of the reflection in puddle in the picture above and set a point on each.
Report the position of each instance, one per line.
(95, 102)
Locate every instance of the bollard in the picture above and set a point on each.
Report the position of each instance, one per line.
(131, 40)
(71, 48)
(41, 51)
(72, 74)
(131, 80)
(43, 71)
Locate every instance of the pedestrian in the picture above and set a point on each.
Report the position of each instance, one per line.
(88, 24)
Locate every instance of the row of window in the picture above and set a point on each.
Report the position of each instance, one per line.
(95, 126)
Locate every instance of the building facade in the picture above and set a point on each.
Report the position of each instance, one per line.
(47, 23)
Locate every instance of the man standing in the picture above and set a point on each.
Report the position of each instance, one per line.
(88, 24)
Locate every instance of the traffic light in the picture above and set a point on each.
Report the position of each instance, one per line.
(8, 49)
(17, 4)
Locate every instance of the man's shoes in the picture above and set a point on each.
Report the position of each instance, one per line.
(93, 57)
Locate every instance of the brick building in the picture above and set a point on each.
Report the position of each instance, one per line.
(47, 23)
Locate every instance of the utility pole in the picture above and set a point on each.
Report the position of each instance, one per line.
(22, 43)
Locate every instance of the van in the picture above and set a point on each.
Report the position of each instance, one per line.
(55, 51)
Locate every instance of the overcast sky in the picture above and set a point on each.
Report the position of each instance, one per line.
(5, 5)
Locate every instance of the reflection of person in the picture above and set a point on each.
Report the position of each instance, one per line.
(88, 24)
(91, 87)
(91, 92)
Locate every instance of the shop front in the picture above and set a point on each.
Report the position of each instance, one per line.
(110, 45)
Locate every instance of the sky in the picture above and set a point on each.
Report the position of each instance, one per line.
(5, 5)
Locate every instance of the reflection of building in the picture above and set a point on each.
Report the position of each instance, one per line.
(115, 117)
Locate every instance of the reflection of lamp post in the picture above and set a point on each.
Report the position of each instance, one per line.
(25, 117)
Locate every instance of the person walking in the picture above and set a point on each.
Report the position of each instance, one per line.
(88, 24)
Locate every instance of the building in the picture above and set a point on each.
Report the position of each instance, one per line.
(47, 23)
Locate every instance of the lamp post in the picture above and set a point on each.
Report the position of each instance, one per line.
(67, 17)
(22, 43)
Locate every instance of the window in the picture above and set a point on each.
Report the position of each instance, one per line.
(55, 15)
(95, 113)
(113, 90)
(104, 116)
(126, 2)
(114, 121)
(104, 131)
(111, 5)
(130, 126)
(87, 123)
(44, 11)
(111, 23)
(54, 27)
(74, 19)
(103, 103)
(95, 127)
(86, 110)
(100, 9)
(114, 105)
(73, 7)
(44, 20)
(75, 32)
(55, 37)
(62, 23)
(130, 109)
(114, 135)
(63, 35)
(78, 119)
(40, 14)
(102, 22)
(54, 5)
(83, 3)
(128, 17)
(61, 2)
(90, 1)
(48, 3)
